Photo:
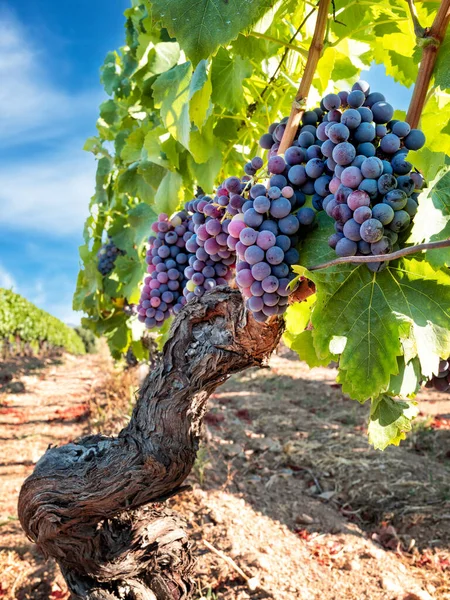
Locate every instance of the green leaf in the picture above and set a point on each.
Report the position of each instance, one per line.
(172, 92)
(407, 383)
(378, 314)
(109, 111)
(205, 173)
(389, 421)
(203, 142)
(303, 344)
(441, 70)
(432, 222)
(168, 195)
(130, 272)
(131, 151)
(110, 73)
(201, 27)
(227, 74)
(141, 218)
(163, 57)
(200, 95)
(298, 316)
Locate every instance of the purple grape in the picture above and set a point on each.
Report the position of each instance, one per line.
(294, 155)
(366, 149)
(406, 183)
(289, 225)
(331, 101)
(371, 230)
(255, 303)
(297, 175)
(386, 183)
(356, 98)
(256, 289)
(260, 271)
(314, 168)
(358, 198)
(306, 216)
(351, 230)
(248, 236)
(365, 132)
(252, 218)
(266, 239)
(261, 204)
(334, 239)
(400, 221)
(274, 255)
(372, 168)
(383, 246)
(344, 153)
(280, 208)
(373, 98)
(306, 139)
(342, 213)
(411, 207)
(351, 177)
(245, 278)
(361, 214)
(382, 112)
(390, 143)
(351, 118)
(270, 284)
(366, 114)
(266, 141)
(414, 140)
(396, 199)
(276, 165)
(269, 225)
(346, 247)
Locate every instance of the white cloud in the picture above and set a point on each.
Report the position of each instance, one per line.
(48, 195)
(7, 281)
(31, 107)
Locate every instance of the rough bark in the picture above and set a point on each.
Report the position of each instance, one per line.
(84, 502)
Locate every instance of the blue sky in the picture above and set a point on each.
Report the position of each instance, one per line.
(50, 55)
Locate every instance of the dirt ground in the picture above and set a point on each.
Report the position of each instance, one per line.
(291, 500)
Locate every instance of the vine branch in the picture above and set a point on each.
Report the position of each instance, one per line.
(381, 257)
(315, 51)
(431, 39)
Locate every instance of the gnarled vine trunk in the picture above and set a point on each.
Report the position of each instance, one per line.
(85, 502)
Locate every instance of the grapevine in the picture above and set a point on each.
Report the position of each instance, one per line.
(189, 108)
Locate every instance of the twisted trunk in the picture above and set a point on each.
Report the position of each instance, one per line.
(84, 502)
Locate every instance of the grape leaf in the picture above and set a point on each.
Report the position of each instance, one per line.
(432, 222)
(140, 218)
(389, 421)
(201, 27)
(172, 92)
(227, 75)
(167, 196)
(407, 382)
(303, 344)
(407, 304)
(200, 95)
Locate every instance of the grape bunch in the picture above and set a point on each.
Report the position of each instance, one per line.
(162, 292)
(210, 260)
(441, 381)
(264, 234)
(373, 193)
(107, 257)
